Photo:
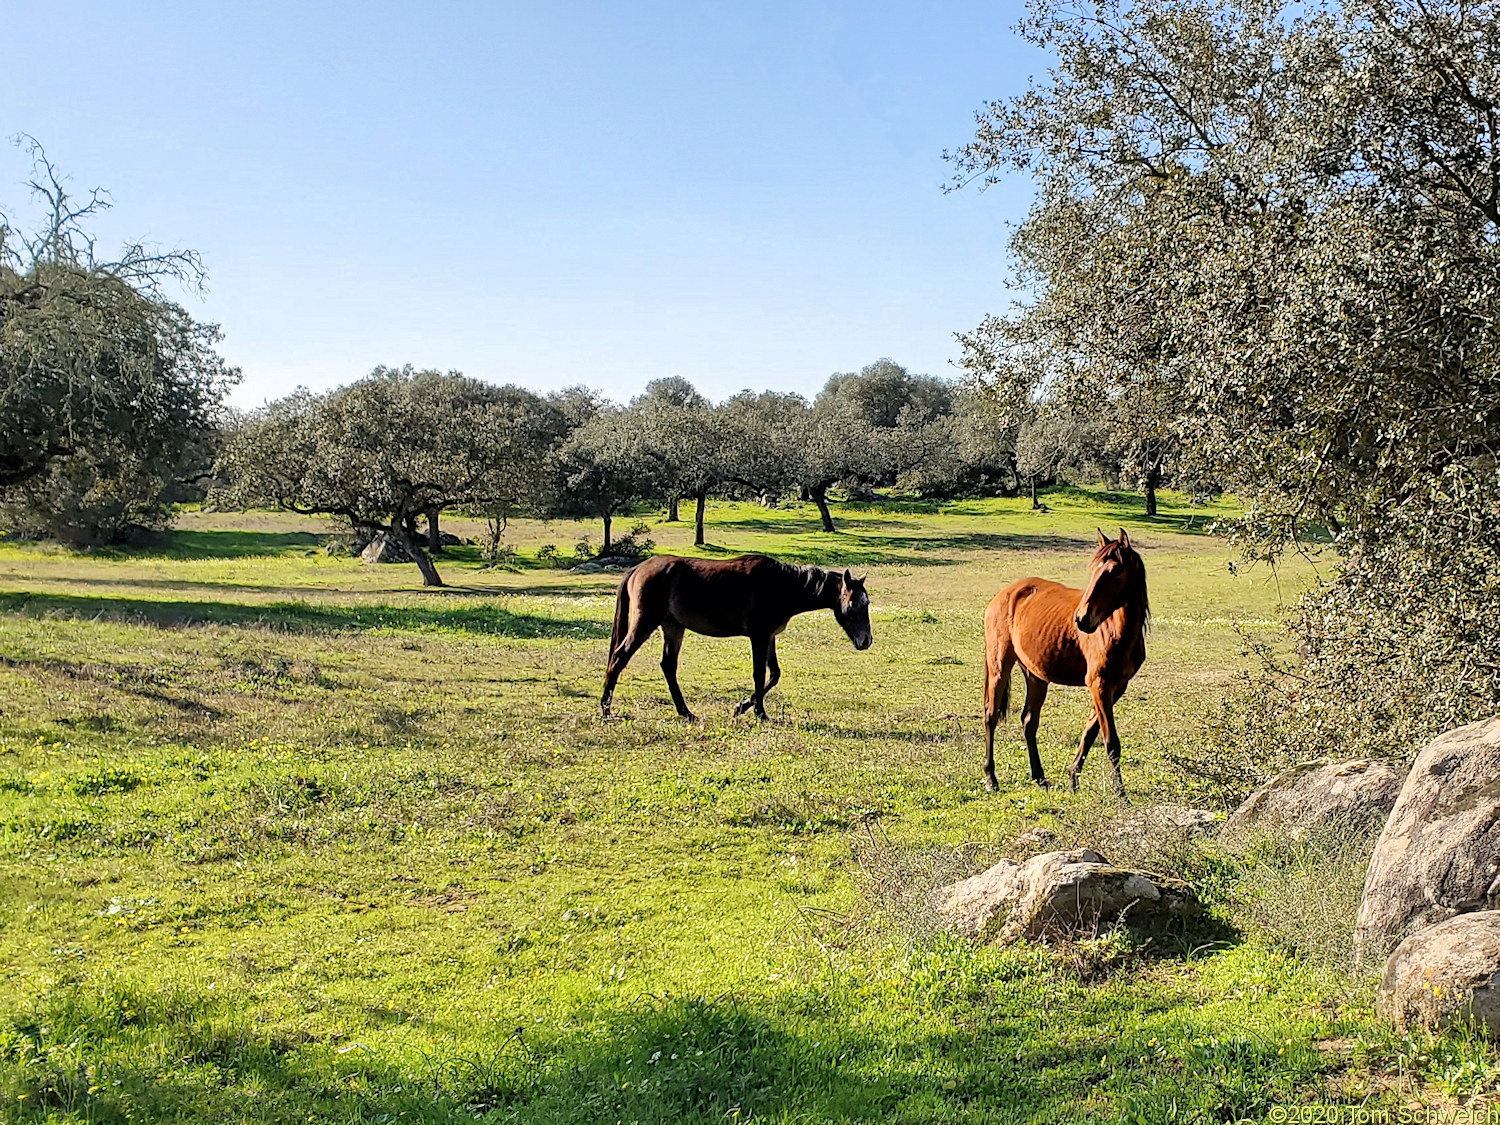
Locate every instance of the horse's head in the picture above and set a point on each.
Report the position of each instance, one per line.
(1117, 577)
(852, 608)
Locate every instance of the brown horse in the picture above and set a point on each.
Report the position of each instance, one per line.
(1091, 638)
(749, 596)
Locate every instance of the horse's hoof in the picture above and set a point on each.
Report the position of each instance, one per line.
(1073, 782)
(991, 785)
(688, 715)
(1042, 783)
(742, 708)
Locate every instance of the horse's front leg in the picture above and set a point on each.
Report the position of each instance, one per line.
(759, 649)
(1085, 744)
(1103, 724)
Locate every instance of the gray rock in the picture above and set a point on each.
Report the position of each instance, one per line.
(1445, 976)
(1439, 854)
(1058, 894)
(1354, 795)
(384, 549)
(586, 568)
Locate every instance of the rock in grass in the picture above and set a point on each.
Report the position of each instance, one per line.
(1439, 854)
(384, 549)
(1355, 795)
(1445, 976)
(1059, 894)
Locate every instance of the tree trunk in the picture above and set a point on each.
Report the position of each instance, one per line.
(672, 516)
(434, 533)
(608, 521)
(1153, 476)
(698, 522)
(1034, 503)
(403, 532)
(820, 498)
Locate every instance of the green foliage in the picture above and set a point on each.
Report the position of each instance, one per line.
(1266, 243)
(107, 387)
(383, 451)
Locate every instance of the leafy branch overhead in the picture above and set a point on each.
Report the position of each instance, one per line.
(1266, 245)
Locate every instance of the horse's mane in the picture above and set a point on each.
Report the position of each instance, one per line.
(810, 578)
(1142, 599)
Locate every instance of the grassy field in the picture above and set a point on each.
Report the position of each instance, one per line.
(289, 838)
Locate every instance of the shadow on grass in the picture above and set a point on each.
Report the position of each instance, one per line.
(173, 1057)
(988, 1035)
(302, 617)
(227, 544)
(853, 549)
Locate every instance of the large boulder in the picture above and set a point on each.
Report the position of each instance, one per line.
(384, 549)
(1444, 976)
(1058, 893)
(1353, 795)
(1439, 854)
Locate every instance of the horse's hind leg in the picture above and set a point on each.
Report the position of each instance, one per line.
(773, 664)
(671, 636)
(1031, 717)
(643, 622)
(996, 706)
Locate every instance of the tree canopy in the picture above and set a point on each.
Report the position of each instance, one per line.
(104, 383)
(1267, 235)
(391, 447)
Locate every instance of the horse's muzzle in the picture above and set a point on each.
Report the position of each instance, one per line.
(862, 643)
(1085, 625)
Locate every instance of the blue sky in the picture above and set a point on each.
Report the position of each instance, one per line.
(746, 195)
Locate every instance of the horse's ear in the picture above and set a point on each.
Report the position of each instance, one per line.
(1103, 539)
(1124, 538)
(848, 578)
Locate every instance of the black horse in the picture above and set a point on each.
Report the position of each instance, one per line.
(749, 596)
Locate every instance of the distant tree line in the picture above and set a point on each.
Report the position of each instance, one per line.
(114, 400)
(402, 446)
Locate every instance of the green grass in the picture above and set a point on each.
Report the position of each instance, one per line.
(287, 838)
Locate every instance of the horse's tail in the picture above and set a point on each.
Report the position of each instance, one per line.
(622, 617)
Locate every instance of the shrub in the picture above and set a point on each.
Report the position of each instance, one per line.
(634, 544)
(1302, 895)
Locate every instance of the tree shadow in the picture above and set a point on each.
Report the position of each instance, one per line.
(302, 617)
(225, 544)
(989, 1039)
(852, 549)
(700, 1060)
